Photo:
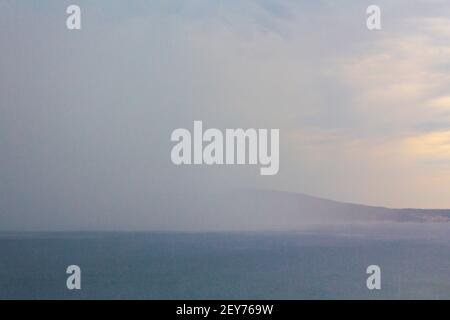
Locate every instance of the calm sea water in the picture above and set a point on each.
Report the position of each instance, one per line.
(320, 263)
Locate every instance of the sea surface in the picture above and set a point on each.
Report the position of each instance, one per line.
(327, 262)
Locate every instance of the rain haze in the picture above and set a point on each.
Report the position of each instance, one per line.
(86, 116)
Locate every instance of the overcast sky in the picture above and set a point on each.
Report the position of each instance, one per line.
(86, 116)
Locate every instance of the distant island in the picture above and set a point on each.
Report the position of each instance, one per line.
(276, 210)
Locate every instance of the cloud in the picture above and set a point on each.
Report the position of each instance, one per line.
(394, 83)
(431, 146)
(86, 117)
(395, 149)
(440, 103)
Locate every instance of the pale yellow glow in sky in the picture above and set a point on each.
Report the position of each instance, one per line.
(442, 103)
(434, 145)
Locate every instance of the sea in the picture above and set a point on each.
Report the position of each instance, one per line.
(319, 262)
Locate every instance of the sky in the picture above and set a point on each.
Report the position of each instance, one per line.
(86, 116)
